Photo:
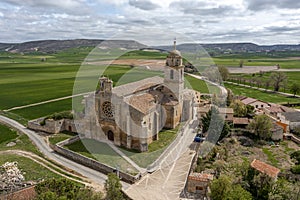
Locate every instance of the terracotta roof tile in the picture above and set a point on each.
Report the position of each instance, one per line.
(201, 176)
(241, 120)
(143, 102)
(248, 100)
(265, 168)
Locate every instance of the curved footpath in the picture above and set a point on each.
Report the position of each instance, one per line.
(93, 175)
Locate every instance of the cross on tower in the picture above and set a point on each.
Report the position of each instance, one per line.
(175, 43)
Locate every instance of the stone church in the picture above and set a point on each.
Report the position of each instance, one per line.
(132, 115)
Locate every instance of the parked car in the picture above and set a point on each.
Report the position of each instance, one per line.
(199, 139)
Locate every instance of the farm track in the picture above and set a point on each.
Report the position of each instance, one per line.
(45, 102)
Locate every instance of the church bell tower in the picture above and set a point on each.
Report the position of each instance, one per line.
(174, 73)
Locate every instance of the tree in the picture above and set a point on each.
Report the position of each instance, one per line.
(295, 88)
(262, 185)
(230, 97)
(277, 79)
(220, 187)
(238, 193)
(113, 187)
(296, 155)
(267, 83)
(241, 64)
(216, 127)
(239, 108)
(282, 190)
(261, 126)
(64, 189)
(223, 72)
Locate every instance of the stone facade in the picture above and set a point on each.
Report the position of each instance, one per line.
(132, 115)
(198, 183)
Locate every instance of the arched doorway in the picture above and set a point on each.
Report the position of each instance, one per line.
(110, 135)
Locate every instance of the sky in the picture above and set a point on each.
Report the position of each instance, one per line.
(203, 21)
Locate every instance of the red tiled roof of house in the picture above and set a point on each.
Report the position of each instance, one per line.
(201, 176)
(241, 120)
(248, 100)
(225, 110)
(265, 168)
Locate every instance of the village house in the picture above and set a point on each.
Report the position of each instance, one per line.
(264, 168)
(274, 109)
(290, 119)
(257, 104)
(241, 122)
(198, 183)
(227, 113)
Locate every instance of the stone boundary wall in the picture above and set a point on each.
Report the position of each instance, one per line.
(52, 126)
(23, 194)
(91, 163)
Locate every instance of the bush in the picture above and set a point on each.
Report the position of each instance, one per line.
(296, 155)
(296, 169)
(58, 116)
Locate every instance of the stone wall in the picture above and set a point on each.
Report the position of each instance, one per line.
(52, 126)
(23, 194)
(103, 168)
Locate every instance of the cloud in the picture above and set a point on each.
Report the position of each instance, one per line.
(143, 4)
(202, 8)
(281, 29)
(69, 6)
(257, 5)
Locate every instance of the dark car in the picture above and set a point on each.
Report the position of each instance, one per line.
(199, 139)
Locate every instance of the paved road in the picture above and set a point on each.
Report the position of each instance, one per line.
(93, 175)
(223, 89)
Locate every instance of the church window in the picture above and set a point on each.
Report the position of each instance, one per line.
(171, 74)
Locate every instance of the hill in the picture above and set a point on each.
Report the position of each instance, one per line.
(50, 46)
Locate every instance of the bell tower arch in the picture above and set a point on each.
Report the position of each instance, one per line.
(174, 73)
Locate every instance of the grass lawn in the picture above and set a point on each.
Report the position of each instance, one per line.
(7, 134)
(155, 149)
(32, 170)
(22, 141)
(261, 95)
(196, 84)
(270, 156)
(55, 138)
(100, 152)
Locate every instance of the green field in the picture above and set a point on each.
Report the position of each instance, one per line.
(286, 60)
(22, 141)
(32, 170)
(261, 95)
(27, 79)
(7, 134)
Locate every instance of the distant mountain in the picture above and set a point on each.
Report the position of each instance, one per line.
(50, 46)
(234, 47)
